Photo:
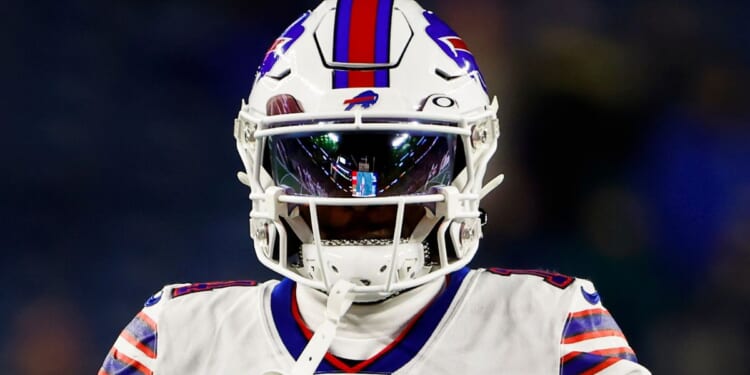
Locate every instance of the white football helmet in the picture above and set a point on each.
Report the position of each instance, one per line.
(365, 141)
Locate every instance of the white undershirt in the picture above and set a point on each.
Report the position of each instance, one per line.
(366, 328)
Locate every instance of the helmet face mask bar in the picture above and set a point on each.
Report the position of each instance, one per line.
(381, 161)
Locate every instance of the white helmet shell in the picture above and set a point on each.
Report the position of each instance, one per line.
(359, 66)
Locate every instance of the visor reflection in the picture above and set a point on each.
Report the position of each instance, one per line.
(362, 164)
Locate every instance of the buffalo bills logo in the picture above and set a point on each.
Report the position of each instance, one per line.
(453, 46)
(282, 44)
(366, 99)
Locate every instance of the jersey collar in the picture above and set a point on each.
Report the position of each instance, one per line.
(295, 334)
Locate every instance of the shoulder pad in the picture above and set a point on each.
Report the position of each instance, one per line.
(207, 286)
(177, 290)
(553, 278)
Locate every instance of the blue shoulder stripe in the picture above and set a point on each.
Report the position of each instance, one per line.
(141, 332)
(577, 363)
(598, 321)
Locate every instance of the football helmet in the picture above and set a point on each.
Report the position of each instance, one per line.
(365, 141)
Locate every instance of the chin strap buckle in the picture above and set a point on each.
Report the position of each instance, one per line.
(482, 216)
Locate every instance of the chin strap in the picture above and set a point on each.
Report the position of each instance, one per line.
(339, 301)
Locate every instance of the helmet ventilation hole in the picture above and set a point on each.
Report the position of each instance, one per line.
(383, 268)
(444, 75)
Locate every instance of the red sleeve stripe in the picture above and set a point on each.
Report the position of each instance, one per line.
(579, 363)
(589, 312)
(131, 362)
(102, 372)
(127, 336)
(578, 325)
(141, 333)
(593, 335)
(612, 352)
(566, 358)
(601, 366)
(146, 319)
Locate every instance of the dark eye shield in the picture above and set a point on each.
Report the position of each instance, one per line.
(362, 163)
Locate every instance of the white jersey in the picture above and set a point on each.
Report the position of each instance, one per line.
(494, 321)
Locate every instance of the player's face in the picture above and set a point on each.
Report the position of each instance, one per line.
(363, 222)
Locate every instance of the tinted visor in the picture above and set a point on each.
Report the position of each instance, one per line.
(362, 163)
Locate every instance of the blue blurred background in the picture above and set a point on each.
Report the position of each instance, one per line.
(626, 144)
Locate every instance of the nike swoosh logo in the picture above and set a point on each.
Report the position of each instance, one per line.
(592, 298)
(153, 300)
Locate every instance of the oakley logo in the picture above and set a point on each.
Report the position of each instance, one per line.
(366, 99)
(443, 102)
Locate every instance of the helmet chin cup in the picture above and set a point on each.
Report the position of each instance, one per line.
(364, 265)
